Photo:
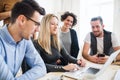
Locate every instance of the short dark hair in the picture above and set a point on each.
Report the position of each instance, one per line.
(98, 18)
(66, 14)
(27, 8)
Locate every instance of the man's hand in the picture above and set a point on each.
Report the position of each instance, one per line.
(93, 59)
(102, 60)
(99, 60)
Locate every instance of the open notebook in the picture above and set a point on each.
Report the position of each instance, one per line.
(90, 72)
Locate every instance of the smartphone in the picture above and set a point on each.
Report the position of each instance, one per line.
(100, 55)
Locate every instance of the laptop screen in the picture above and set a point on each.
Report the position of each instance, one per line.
(95, 72)
(92, 70)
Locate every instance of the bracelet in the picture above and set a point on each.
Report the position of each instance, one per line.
(58, 67)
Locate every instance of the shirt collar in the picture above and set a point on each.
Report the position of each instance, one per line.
(7, 36)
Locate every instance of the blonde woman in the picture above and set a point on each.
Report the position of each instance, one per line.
(50, 49)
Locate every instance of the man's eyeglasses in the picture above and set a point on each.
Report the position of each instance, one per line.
(36, 23)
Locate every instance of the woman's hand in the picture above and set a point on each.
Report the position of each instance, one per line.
(81, 62)
(71, 67)
(58, 61)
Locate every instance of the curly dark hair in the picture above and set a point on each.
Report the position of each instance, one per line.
(66, 14)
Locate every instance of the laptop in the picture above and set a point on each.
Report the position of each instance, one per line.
(91, 72)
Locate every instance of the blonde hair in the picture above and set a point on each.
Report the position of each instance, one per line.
(45, 39)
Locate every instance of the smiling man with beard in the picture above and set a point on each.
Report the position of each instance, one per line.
(99, 41)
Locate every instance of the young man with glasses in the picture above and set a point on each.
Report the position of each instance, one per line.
(15, 43)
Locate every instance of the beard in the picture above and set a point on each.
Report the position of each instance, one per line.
(97, 34)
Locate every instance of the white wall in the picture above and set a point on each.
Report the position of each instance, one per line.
(116, 24)
(85, 9)
(82, 9)
(47, 4)
(93, 8)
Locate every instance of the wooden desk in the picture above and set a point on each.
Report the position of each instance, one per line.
(107, 75)
(55, 76)
(117, 63)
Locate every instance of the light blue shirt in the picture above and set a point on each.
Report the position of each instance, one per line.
(11, 57)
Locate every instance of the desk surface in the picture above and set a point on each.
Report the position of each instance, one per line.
(107, 75)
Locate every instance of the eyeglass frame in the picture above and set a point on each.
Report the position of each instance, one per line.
(37, 23)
